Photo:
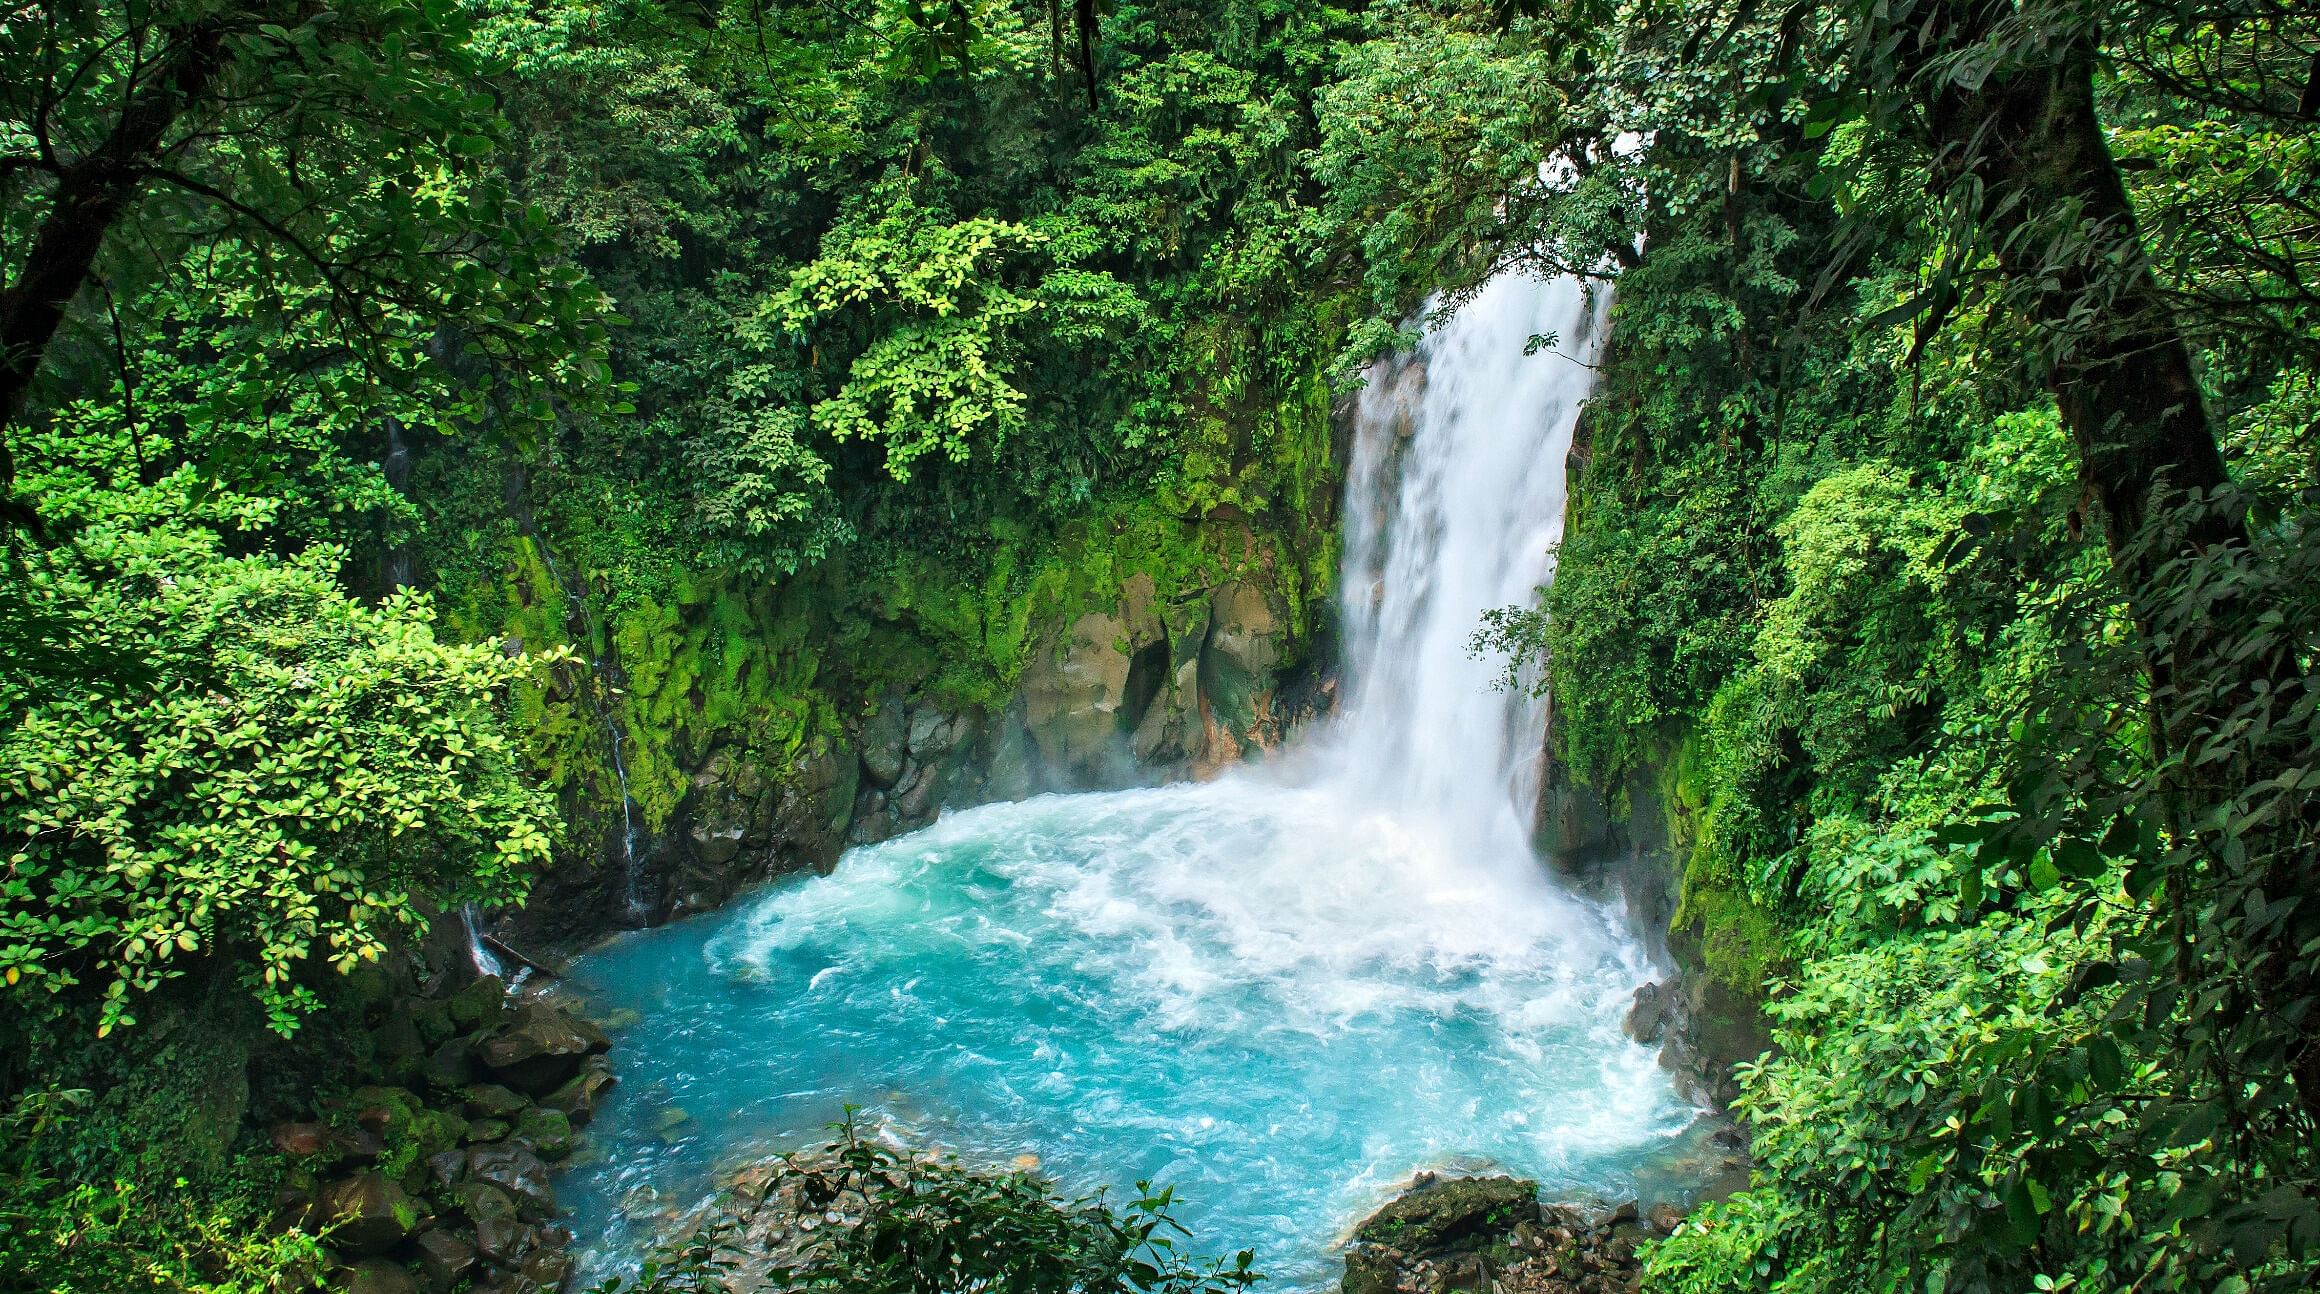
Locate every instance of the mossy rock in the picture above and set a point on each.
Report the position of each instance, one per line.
(548, 1131)
(1451, 1214)
(481, 1004)
(432, 1018)
(493, 1101)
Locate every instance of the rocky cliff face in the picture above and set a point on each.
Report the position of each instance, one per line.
(756, 739)
(1149, 689)
(1636, 847)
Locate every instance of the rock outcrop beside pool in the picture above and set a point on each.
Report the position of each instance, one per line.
(1490, 1235)
(436, 1178)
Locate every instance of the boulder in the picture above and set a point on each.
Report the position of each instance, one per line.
(577, 1099)
(492, 1101)
(446, 1258)
(548, 1268)
(517, 1171)
(480, 1004)
(546, 1131)
(1443, 1213)
(502, 1237)
(1011, 771)
(299, 1140)
(450, 1065)
(369, 1213)
(379, 1276)
(1647, 1018)
(813, 806)
(447, 1167)
(1245, 647)
(398, 1037)
(933, 734)
(540, 1048)
(886, 742)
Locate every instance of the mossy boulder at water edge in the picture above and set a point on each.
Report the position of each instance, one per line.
(1490, 1235)
(1435, 1220)
(539, 1049)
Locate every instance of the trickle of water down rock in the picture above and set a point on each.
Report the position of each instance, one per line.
(1282, 991)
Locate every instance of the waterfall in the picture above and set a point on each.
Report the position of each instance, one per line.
(479, 956)
(1283, 991)
(396, 467)
(605, 675)
(1454, 504)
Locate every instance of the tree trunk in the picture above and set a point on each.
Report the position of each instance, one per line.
(92, 194)
(2024, 152)
(2057, 213)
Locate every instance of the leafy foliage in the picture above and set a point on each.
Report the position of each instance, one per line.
(917, 1224)
(300, 771)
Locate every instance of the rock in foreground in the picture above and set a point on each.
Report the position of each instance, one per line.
(1486, 1234)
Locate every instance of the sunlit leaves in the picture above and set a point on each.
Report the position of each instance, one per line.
(303, 776)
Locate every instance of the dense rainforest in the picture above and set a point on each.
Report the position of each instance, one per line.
(554, 462)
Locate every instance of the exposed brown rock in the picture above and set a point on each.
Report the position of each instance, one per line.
(370, 1212)
(539, 1048)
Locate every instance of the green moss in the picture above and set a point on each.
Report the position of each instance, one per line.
(1734, 939)
(690, 661)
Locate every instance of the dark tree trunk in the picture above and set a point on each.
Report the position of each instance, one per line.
(2024, 154)
(2057, 213)
(1084, 14)
(93, 192)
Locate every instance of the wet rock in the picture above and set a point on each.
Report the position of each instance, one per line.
(450, 1065)
(932, 734)
(886, 743)
(445, 1258)
(717, 843)
(548, 1268)
(379, 1276)
(371, 1213)
(480, 1004)
(516, 1171)
(398, 1037)
(540, 1048)
(546, 1131)
(577, 1100)
(1491, 1236)
(432, 1018)
(501, 1234)
(492, 1101)
(1647, 1018)
(1443, 1212)
(447, 1167)
(1246, 644)
(1072, 690)
(302, 1139)
(1012, 771)
(1709, 1027)
(813, 805)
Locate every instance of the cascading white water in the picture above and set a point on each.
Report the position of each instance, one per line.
(1282, 991)
(1454, 504)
